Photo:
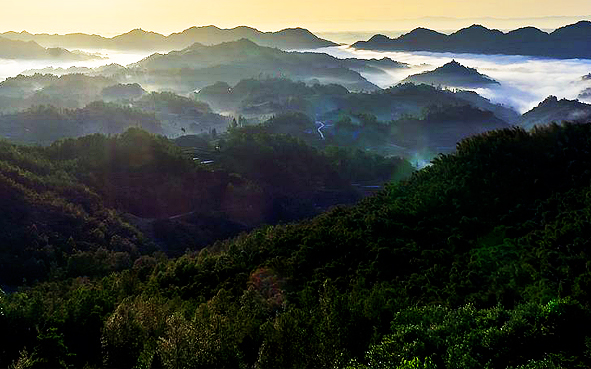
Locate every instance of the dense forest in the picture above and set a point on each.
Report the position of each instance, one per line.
(480, 260)
(115, 198)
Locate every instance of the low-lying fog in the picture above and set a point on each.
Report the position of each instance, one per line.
(11, 68)
(525, 81)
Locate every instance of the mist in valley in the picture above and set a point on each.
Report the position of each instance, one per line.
(11, 67)
(245, 198)
(524, 81)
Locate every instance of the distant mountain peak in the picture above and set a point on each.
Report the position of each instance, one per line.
(245, 42)
(245, 28)
(298, 30)
(136, 30)
(422, 30)
(574, 29)
(476, 29)
(550, 100)
(419, 31)
(379, 38)
(583, 23)
(478, 26)
(528, 28)
(455, 67)
(453, 62)
(139, 33)
(195, 45)
(452, 74)
(571, 41)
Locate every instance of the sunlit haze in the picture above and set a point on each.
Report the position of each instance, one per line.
(110, 17)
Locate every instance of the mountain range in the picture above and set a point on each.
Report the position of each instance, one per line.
(17, 49)
(571, 41)
(200, 65)
(452, 74)
(254, 98)
(138, 39)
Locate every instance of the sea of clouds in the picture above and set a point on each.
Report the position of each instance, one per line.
(524, 81)
(11, 68)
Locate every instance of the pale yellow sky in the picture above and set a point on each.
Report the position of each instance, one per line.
(110, 17)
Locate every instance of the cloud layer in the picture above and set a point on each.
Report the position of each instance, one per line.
(525, 81)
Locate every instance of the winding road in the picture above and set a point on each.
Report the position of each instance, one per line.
(321, 125)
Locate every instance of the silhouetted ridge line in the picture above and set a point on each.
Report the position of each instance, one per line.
(571, 41)
(138, 39)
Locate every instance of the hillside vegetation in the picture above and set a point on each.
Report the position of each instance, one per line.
(480, 260)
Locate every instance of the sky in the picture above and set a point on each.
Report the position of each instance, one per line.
(111, 17)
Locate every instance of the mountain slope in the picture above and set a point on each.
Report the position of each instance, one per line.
(200, 65)
(479, 259)
(554, 110)
(42, 125)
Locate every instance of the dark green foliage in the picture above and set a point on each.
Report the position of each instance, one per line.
(297, 179)
(140, 173)
(255, 98)
(488, 338)
(42, 125)
(53, 222)
(288, 170)
(478, 261)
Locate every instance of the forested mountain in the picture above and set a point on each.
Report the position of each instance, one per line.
(571, 41)
(554, 110)
(478, 261)
(105, 70)
(122, 92)
(46, 124)
(138, 39)
(68, 91)
(286, 39)
(255, 98)
(261, 98)
(404, 120)
(198, 66)
(176, 115)
(14, 49)
(452, 74)
(179, 115)
(411, 100)
(136, 179)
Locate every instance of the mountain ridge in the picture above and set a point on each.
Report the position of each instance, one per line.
(552, 109)
(16, 49)
(202, 65)
(139, 39)
(570, 41)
